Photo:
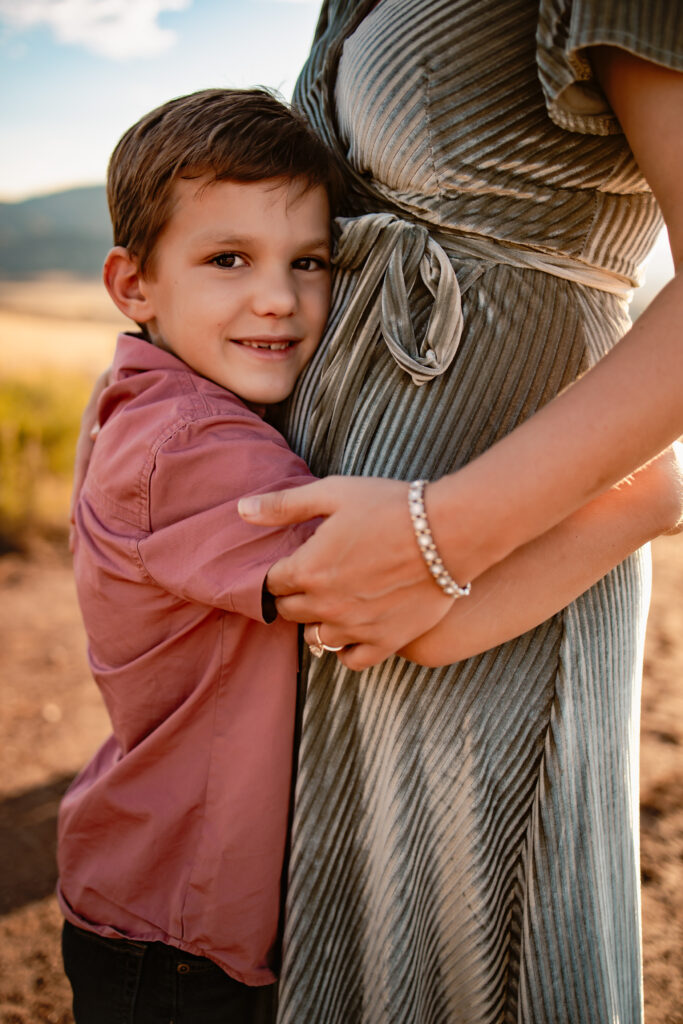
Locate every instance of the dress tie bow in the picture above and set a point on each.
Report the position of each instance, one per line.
(389, 253)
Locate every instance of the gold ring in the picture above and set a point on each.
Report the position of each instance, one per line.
(325, 647)
(317, 649)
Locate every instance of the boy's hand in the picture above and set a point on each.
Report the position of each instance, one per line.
(84, 446)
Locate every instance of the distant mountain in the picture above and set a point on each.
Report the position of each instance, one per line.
(67, 231)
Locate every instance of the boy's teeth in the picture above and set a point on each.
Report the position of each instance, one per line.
(276, 346)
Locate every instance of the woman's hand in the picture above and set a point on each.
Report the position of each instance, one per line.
(539, 579)
(360, 581)
(84, 445)
(361, 576)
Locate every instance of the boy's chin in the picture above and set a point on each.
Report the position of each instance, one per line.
(266, 396)
(265, 402)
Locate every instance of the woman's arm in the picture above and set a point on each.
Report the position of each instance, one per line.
(542, 577)
(362, 572)
(622, 412)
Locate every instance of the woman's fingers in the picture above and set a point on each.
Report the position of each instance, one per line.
(282, 508)
(364, 547)
(321, 638)
(294, 607)
(361, 573)
(284, 579)
(361, 656)
(296, 573)
(380, 624)
(366, 527)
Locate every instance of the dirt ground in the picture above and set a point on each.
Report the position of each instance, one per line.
(52, 721)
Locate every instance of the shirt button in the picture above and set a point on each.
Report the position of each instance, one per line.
(183, 968)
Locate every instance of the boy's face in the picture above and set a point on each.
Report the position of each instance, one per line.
(240, 288)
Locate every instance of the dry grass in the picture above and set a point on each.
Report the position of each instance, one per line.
(56, 334)
(56, 323)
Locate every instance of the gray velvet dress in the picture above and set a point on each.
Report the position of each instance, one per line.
(465, 840)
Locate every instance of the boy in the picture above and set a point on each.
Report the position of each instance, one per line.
(171, 840)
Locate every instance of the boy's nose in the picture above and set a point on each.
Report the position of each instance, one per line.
(275, 294)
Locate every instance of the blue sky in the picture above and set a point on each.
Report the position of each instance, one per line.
(74, 74)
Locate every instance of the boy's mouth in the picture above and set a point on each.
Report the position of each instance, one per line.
(273, 344)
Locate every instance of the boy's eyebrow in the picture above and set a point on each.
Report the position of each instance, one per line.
(319, 243)
(244, 241)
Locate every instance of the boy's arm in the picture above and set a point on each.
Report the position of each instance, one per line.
(544, 576)
(197, 547)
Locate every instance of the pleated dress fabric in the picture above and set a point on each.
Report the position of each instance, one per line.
(465, 840)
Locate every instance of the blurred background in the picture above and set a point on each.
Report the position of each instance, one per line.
(74, 74)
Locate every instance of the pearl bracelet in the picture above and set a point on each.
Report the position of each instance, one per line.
(423, 534)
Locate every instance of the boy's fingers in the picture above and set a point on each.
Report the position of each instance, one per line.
(83, 452)
(90, 428)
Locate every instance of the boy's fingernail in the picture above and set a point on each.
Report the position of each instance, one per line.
(248, 507)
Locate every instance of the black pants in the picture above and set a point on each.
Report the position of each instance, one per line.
(118, 981)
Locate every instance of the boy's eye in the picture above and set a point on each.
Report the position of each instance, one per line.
(310, 263)
(228, 260)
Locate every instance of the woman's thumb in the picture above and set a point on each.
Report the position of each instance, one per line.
(279, 508)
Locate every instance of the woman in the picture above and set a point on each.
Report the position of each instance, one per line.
(465, 840)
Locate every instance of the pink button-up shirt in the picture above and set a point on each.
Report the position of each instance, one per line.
(176, 829)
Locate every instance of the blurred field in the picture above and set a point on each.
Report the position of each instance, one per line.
(55, 337)
(57, 322)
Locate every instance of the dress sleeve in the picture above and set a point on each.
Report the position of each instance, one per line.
(567, 28)
(198, 547)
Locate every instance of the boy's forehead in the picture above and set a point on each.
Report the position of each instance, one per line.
(208, 205)
(264, 191)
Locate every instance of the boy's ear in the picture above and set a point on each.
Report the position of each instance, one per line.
(125, 284)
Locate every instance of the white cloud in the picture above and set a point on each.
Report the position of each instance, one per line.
(111, 28)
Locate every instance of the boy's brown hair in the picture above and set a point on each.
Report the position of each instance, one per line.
(230, 134)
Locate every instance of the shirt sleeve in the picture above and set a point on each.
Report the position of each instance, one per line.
(197, 546)
(567, 28)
